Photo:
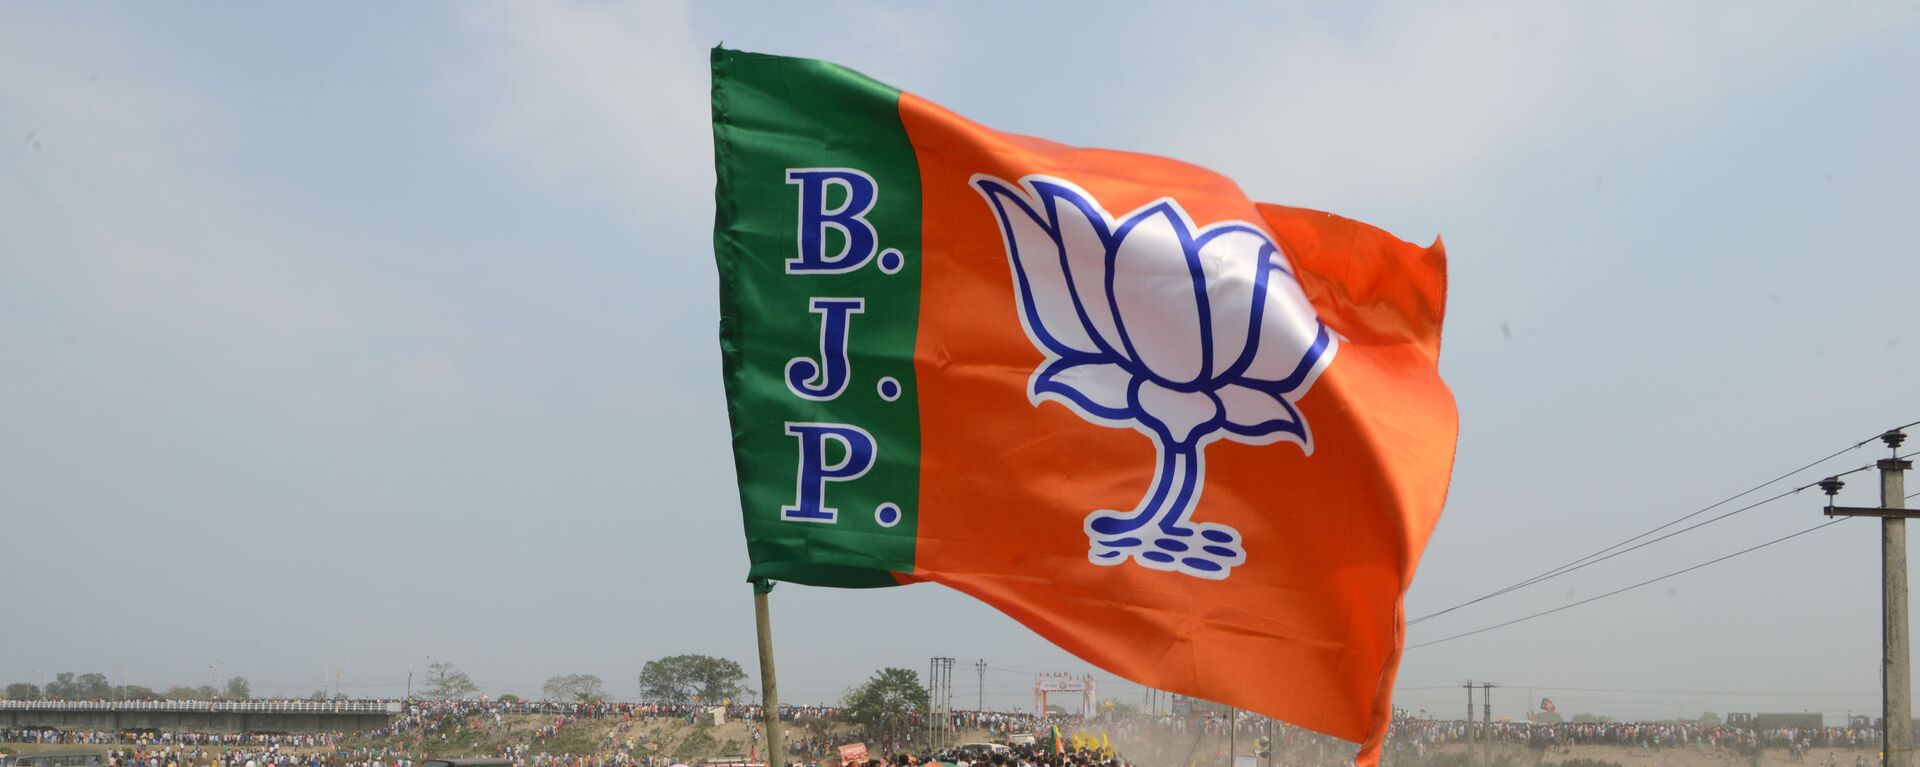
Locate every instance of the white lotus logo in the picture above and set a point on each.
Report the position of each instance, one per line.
(1185, 334)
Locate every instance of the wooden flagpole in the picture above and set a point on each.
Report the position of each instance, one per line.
(769, 691)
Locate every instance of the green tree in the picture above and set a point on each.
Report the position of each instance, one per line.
(183, 692)
(94, 687)
(574, 688)
(1710, 719)
(887, 705)
(238, 689)
(69, 686)
(444, 681)
(682, 678)
(23, 691)
(135, 692)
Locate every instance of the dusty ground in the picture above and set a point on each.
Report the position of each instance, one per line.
(1190, 750)
(1631, 756)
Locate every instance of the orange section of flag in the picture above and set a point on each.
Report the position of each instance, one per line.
(1308, 629)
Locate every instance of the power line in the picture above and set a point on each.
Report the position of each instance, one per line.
(1609, 552)
(1669, 692)
(1757, 693)
(1625, 589)
(1584, 561)
(1582, 565)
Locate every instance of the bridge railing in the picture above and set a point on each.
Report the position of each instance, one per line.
(210, 706)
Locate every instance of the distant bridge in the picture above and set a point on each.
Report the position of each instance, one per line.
(242, 716)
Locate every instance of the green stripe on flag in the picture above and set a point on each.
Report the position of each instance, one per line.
(788, 132)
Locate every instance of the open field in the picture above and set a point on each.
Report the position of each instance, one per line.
(1211, 750)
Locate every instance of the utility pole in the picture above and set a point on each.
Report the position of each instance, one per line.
(1469, 720)
(1269, 741)
(980, 701)
(1896, 724)
(1233, 730)
(939, 702)
(1486, 713)
(946, 702)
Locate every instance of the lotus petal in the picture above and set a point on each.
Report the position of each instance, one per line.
(1258, 417)
(1083, 231)
(1289, 330)
(1156, 289)
(1098, 389)
(1046, 305)
(1232, 261)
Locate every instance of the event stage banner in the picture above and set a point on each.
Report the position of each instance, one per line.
(1196, 440)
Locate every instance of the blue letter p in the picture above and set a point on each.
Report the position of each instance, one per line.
(857, 453)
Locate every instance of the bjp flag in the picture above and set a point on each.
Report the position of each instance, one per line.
(1196, 440)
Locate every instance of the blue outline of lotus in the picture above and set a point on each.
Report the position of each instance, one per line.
(1186, 334)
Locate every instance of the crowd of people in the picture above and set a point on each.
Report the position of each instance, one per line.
(814, 732)
(1420, 735)
(421, 726)
(1037, 755)
(167, 740)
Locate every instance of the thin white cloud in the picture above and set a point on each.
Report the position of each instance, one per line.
(1410, 104)
(607, 99)
(124, 205)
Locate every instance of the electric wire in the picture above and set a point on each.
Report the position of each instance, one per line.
(1635, 547)
(1672, 574)
(1624, 589)
(1610, 551)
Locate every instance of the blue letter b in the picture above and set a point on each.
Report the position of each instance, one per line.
(849, 218)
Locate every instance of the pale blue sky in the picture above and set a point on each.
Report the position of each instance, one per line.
(378, 332)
